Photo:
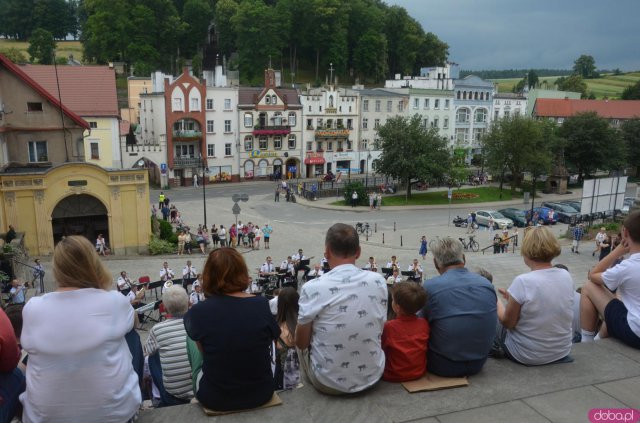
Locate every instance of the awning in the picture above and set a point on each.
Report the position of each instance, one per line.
(314, 160)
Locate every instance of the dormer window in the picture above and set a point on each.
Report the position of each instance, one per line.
(274, 99)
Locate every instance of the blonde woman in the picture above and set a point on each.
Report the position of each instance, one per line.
(536, 320)
(79, 363)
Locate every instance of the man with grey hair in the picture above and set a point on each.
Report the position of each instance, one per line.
(167, 350)
(461, 310)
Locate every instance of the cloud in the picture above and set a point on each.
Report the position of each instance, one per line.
(504, 34)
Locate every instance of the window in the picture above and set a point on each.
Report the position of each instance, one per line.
(436, 103)
(516, 112)
(227, 149)
(426, 103)
(425, 122)
(507, 112)
(319, 143)
(227, 126)
(319, 123)
(400, 106)
(309, 123)
(274, 99)
(34, 107)
(329, 145)
(177, 103)
(340, 147)
(95, 151)
(309, 107)
(292, 142)
(365, 105)
(376, 124)
(195, 104)
(277, 142)
(462, 115)
(477, 135)
(481, 115)
(445, 123)
(475, 95)
(263, 143)
(349, 123)
(446, 104)
(461, 135)
(267, 99)
(248, 120)
(292, 119)
(277, 118)
(364, 144)
(416, 103)
(209, 104)
(320, 108)
(434, 123)
(211, 150)
(227, 103)
(248, 143)
(378, 105)
(389, 106)
(93, 125)
(309, 145)
(38, 151)
(496, 115)
(365, 123)
(349, 145)
(210, 127)
(458, 95)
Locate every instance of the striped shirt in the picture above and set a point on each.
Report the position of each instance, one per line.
(170, 338)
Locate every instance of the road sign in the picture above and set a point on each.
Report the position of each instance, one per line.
(244, 197)
(163, 168)
(240, 197)
(235, 209)
(235, 198)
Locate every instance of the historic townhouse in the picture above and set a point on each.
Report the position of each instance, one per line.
(509, 104)
(615, 111)
(473, 113)
(270, 130)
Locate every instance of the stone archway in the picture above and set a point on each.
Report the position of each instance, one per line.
(81, 214)
(153, 169)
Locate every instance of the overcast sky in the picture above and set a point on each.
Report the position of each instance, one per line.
(505, 34)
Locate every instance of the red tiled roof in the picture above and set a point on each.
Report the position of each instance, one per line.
(610, 109)
(125, 127)
(87, 90)
(17, 70)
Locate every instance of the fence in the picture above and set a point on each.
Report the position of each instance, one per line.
(322, 189)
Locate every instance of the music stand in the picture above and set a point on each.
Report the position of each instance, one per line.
(387, 271)
(147, 310)
(155, 285)
(407, 273)
(305, 262)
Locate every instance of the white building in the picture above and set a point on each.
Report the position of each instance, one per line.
(473, 113)
(509, 104)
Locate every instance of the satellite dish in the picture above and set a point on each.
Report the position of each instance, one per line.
(235, 198)
(244, 197)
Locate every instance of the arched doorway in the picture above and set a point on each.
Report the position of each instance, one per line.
(154, 171)
(81, 214)
(292, 168)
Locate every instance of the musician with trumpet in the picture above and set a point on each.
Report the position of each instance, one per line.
(371, 265)
(393, 262)
(124, 282)
(166, 273)
(417, 271)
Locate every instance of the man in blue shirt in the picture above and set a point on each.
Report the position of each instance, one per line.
(461, 310)
(578, 233)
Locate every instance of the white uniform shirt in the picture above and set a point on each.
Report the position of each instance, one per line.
(410, 269)
(370, 266)
(123, 283)
(189, 272)
(288, 266)
(391, 280)
(624, 278)
(348, 308)
(298, 257)
(313, 273)
(166, 274)
(195, 298)
(267, 268)
(390, 265)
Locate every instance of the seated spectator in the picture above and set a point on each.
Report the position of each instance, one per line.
(17, 292)
(404, 339)
(287, 374)
(80, 326)
(621, 311)
(340, 320)
(461, 311)
(10, 235)
(167, 351)
(235, 332)
(12, 382)
(536, 321)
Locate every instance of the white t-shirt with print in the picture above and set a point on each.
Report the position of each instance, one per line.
(544, 332)
(625, 277)
(348, 308)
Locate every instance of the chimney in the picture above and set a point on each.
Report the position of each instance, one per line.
(269, 78)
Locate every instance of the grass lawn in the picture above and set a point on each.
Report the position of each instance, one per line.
(63, 49)
(473, 195)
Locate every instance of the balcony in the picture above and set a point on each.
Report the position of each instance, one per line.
(187, 135)
(271, 130)
(180, 162)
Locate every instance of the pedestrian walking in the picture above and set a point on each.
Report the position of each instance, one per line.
(423, 246)
(195, 180)
(277, 196)
(578, 233)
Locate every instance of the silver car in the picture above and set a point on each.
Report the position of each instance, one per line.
(499, 220)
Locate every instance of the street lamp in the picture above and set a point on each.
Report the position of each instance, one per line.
(204, 198)
(366, 175)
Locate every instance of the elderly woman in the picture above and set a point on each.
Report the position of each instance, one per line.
(536, 321)
(167, 350)
(235, 331)
(79, 364)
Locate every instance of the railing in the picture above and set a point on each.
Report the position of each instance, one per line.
(514, 243)
(271, 130)
(143, 148)
(186, 162)
(322, 189)
(187, 134)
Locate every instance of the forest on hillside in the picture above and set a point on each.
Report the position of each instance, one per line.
(366, 40)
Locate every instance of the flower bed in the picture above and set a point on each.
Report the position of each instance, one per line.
(463, 195)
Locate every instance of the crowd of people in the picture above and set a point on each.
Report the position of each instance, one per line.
(342, 331)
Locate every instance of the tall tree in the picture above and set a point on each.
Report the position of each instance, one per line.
(631, 135)
(197, 15)
(370, 57)
(632, 92)
(56, 16)
(592, 144)
(404, 35)
(411, 152)
(585, 66)
(104, 33)
(41, 47)
(16, 18)
(431, 52)
(532, 79)
(224, 12)
(573, 83)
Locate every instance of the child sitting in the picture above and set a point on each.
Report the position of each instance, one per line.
(404, 340)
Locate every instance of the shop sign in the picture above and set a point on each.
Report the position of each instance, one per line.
(332, 133)
(261, 154)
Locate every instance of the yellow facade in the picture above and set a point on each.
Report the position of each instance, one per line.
(106, 134)
(29, 201)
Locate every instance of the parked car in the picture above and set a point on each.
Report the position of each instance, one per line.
(547, 215)
(565, 213)
(576, 205)
(628, 203)
(499, 221)
(518, 216)
(586, 215)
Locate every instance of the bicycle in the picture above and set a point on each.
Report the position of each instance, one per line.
(363, 229)
(472, 244)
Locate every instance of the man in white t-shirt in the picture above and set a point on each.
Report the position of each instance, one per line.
(341, 319)
(621, 310)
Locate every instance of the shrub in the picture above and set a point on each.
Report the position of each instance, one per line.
(160, 246)
(363, 199)
(166, 230)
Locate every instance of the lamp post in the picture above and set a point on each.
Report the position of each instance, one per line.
(204, 198)
(366, 175)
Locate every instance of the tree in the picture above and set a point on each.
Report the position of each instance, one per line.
(532, 79)
(592, 144)
(105, 32)
(431, 52)
(197, 14)
(585, 66)
(404, 36)
(370, 57)
(632, 92)
(411, 152)
(224, 12)
(573, 83)
(56, 16)
(516, 144)
(14, 54)
(631, 135)
(41, 47)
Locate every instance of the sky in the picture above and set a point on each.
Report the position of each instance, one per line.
(514, 34)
